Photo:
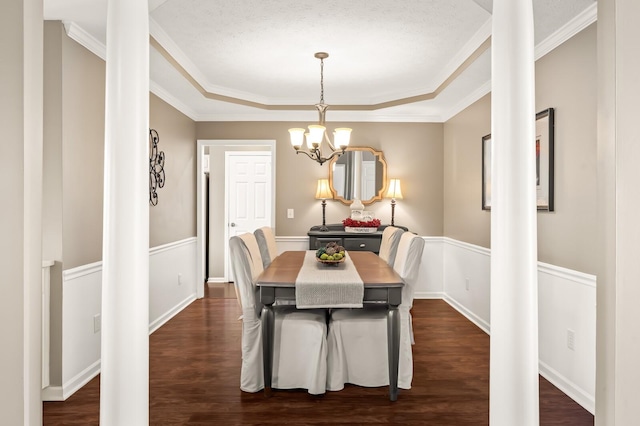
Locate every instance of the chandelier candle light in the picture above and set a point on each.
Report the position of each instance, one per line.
(317, 134)
(322, 193)
(394, 192)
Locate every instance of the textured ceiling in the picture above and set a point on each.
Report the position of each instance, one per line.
(262, 51)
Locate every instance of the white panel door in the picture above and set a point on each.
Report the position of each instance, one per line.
(248, 193)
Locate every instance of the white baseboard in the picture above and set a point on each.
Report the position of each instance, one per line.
(482, 324)
(171, 313)
(429, 295)
(80, 380)
(52, 393)
(216, 280)
(568, 387)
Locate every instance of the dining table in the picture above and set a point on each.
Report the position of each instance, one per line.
(382, 287)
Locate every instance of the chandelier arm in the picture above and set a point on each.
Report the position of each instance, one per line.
(334, 154)
(314, 155)
(326, 138)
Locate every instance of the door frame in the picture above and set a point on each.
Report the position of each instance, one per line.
(200, 197)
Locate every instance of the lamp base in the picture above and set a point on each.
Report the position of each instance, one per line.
(393, 211)
(324, 228)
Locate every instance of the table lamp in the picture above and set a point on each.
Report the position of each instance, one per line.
(394, 192)
(322, 193)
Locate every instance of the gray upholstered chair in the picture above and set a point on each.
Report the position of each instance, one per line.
(357, 338)
(267, 244)
(300, 347)
(389, 243)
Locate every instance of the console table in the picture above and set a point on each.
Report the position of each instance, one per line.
(351, 241)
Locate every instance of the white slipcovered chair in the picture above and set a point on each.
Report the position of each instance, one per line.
(300, 347)
(357, 338)
(267, 244)
(389, 243)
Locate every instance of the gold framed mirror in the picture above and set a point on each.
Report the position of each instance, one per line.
(361, 172)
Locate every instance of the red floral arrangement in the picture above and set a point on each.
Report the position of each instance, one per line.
(360, 224)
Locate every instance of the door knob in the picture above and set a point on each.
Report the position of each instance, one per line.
(233, 225)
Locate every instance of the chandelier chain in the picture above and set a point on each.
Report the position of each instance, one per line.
(322, 81)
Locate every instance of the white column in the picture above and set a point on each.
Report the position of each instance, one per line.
(514, 284)
(124, 383)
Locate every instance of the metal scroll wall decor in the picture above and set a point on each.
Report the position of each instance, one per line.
(156, 167)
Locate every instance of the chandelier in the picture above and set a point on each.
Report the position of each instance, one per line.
(317, 135)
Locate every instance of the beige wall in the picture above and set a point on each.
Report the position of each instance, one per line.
(174, 217)
(465, 219)
(413, 152)
(74, 150)
(82, 106)
(566, 81)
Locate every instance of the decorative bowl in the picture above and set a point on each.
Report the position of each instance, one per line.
(330, 262)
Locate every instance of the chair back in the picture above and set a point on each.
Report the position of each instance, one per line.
(407, 264)
(389, 244)
(267, 244)
(247, 265)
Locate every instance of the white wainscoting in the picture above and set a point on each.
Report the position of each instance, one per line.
(292, 243)
(172, 287)
(566, 301)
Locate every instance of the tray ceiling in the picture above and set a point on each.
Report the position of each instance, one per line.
(423, 61)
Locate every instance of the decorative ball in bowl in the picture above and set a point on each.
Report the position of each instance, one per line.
(331, 254)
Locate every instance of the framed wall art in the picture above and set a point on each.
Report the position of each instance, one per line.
(486, 172)
(544, 145)
(544, 159)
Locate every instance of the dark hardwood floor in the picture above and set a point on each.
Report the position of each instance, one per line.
(195, 374)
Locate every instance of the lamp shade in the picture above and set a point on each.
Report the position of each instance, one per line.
(341, 137)
(323, 192)
(394, 191)
(316, 133)
(297, 137)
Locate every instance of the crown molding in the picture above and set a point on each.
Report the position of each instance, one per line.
(160, 92)
(467, 50)
(77, 33)
(573, 27)
(192, 69)
(468, 100)
(298, 116)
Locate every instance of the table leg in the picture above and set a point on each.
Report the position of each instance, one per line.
(268, 325)
(393, 345)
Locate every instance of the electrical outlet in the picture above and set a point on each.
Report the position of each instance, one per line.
(571, 339)
(289, 213)
(97, 323)
(179, 279)
(466, 284)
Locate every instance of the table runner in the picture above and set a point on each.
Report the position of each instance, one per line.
(324, 286)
